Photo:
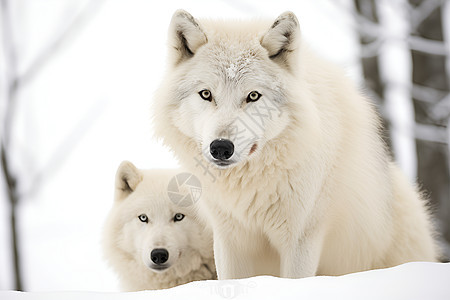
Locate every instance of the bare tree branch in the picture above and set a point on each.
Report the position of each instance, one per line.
(14, 82)
(427, 46)
(431, 133)
(13, 198)
(441, 110)
(363, 25)
(10, 105)
(423, 11)
(10, 70)
(371, 49)
(427, 94)
(394, 51)
(446, 32)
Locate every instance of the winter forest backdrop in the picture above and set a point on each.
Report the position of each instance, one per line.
(76, 82)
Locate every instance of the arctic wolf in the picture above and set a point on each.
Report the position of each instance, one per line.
(151, 242)
(297, 179)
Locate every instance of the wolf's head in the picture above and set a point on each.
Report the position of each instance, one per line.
(147, 232)
(228, 84)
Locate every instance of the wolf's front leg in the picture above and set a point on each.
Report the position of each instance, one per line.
(230, 262)
(301, 257)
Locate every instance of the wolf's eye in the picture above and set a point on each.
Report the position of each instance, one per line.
(206, 95)
(178, 217)
(143, 218)
(253, 96)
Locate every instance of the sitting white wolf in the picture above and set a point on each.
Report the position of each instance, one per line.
(298, 181)
(151, 242)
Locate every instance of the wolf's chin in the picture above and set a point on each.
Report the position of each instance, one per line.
(220, 164)
(159, 269)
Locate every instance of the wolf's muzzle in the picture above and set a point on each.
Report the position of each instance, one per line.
(159, 256)
(221, 149)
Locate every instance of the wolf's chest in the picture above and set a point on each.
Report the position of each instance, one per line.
(249, 207)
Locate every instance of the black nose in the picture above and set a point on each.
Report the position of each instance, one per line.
(221, 149)
(159, 256)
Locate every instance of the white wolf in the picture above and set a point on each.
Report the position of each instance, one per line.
(298, 180)
(151, 242)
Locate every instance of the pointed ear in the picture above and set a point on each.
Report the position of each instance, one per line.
(185, 36)
(282, 39)
(127, 179)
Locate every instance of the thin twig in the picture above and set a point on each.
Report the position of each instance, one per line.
(13, 198)
(11, 94)
(427, 46)
(10, 70)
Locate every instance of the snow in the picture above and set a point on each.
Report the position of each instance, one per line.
(231, 71)
(409, 281)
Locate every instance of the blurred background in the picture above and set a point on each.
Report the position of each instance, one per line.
(77, 78)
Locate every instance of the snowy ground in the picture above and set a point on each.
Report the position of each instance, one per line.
(409, 281)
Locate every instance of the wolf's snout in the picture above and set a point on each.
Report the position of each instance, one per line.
(159, 256)
(221, 149)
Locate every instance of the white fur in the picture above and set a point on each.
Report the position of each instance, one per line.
(128, 242)
(320, 194)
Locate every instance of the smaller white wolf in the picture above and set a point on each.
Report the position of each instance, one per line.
(151, 242)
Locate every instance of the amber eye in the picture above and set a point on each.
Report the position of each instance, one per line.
(206, 95)
(143, 218)
(178, 217)
(253, 96)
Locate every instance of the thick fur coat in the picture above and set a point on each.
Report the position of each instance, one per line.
(309, 187)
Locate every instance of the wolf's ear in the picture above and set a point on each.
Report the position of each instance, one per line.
(185, 36)
(127, 179)
(282, 39)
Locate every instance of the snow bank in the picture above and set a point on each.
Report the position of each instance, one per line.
(408, 281)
